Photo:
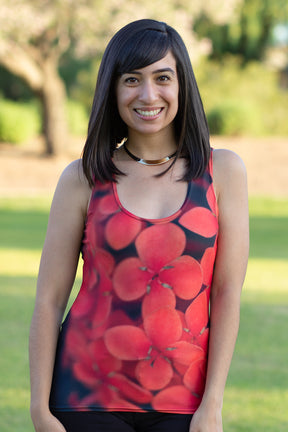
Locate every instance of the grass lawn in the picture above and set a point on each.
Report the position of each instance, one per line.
(256, 397)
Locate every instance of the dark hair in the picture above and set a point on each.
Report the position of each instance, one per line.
(135, 46)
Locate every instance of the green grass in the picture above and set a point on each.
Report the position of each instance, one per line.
(256, 396)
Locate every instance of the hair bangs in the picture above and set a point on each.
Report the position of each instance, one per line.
(143, 50)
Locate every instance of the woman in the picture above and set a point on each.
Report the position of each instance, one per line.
(162, 225)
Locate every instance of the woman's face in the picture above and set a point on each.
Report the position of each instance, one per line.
(147, 98)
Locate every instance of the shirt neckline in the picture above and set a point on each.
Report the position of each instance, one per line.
(154, 221)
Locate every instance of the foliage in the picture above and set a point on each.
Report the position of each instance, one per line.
(248, 35)
(242, 99)
(18, 121)
(229, 117)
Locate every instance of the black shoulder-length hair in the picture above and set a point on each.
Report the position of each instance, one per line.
(135, 46)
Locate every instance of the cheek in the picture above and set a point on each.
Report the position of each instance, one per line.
(124, 99)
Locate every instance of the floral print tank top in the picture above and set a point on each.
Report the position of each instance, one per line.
(136, 337)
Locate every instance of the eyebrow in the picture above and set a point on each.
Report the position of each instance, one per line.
(135, 72)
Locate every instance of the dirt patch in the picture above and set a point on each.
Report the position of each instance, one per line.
(25, 171)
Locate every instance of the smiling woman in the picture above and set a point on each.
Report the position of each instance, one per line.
(162, 225)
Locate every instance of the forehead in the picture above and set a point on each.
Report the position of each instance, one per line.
(167, 62)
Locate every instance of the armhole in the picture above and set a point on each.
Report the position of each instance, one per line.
(213, 196)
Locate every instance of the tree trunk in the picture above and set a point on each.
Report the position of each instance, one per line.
(42, 77)
(53, 97)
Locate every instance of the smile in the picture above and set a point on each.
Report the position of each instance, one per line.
(150, 113)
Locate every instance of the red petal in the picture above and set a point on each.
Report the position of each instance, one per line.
(184, 275)
(197, 314)
(86, 374)
(121, 230)
(129, 389)
(118, 317)
(160, 244)
(108, 205)
(184, 352)
(104, 261)
(163, 327)
(75, 344)
(127, 342)
(201, 221)
(203, 339)
(102, 310)
(130, 279)
(104, 360)
(158, 297)
(194, 378)
(83, 304)
(176, 399)
(207, 264)
(154, 374)
(121, 404)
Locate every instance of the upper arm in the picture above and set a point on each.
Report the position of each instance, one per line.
(233, 241)
(61, 249)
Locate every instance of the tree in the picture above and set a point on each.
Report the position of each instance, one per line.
(35, 35)
(250, 34)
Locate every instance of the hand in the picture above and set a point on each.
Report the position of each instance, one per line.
(48, 423)
(206, 419)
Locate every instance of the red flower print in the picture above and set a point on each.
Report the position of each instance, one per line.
(158, 296)
(159, 245)
(175, 398)
(97, 370)
(197, 315)
(156, 347)
(163, 327)
(121, 230)
(160, 272)
(207, 264)
(184, 275)
(194, 378)
(201, 221)
(127, 342)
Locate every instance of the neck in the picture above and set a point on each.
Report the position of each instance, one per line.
(151, 147)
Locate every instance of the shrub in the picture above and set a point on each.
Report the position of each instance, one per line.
(242, 99)
(18, 121)
(230, 117)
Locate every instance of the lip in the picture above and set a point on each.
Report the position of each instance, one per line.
(148, 113)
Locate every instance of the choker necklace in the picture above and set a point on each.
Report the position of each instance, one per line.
(147, 161)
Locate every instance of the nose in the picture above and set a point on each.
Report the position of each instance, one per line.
(148, 93)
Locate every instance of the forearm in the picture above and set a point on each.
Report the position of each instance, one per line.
(224, 325)
(44, 332)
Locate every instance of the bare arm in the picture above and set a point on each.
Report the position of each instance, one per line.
(229, 273)
(56, 276)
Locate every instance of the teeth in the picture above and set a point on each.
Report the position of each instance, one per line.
(148, 113)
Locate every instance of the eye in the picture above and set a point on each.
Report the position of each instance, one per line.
(131, 80)
(164, 78)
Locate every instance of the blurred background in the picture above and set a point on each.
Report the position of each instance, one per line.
(50, 51)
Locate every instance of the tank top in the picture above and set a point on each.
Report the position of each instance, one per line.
(136, 336)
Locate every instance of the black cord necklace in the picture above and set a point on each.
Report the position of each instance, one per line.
(147, 161)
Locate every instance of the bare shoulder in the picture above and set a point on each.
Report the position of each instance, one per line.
(73, 186)
(229, 171)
